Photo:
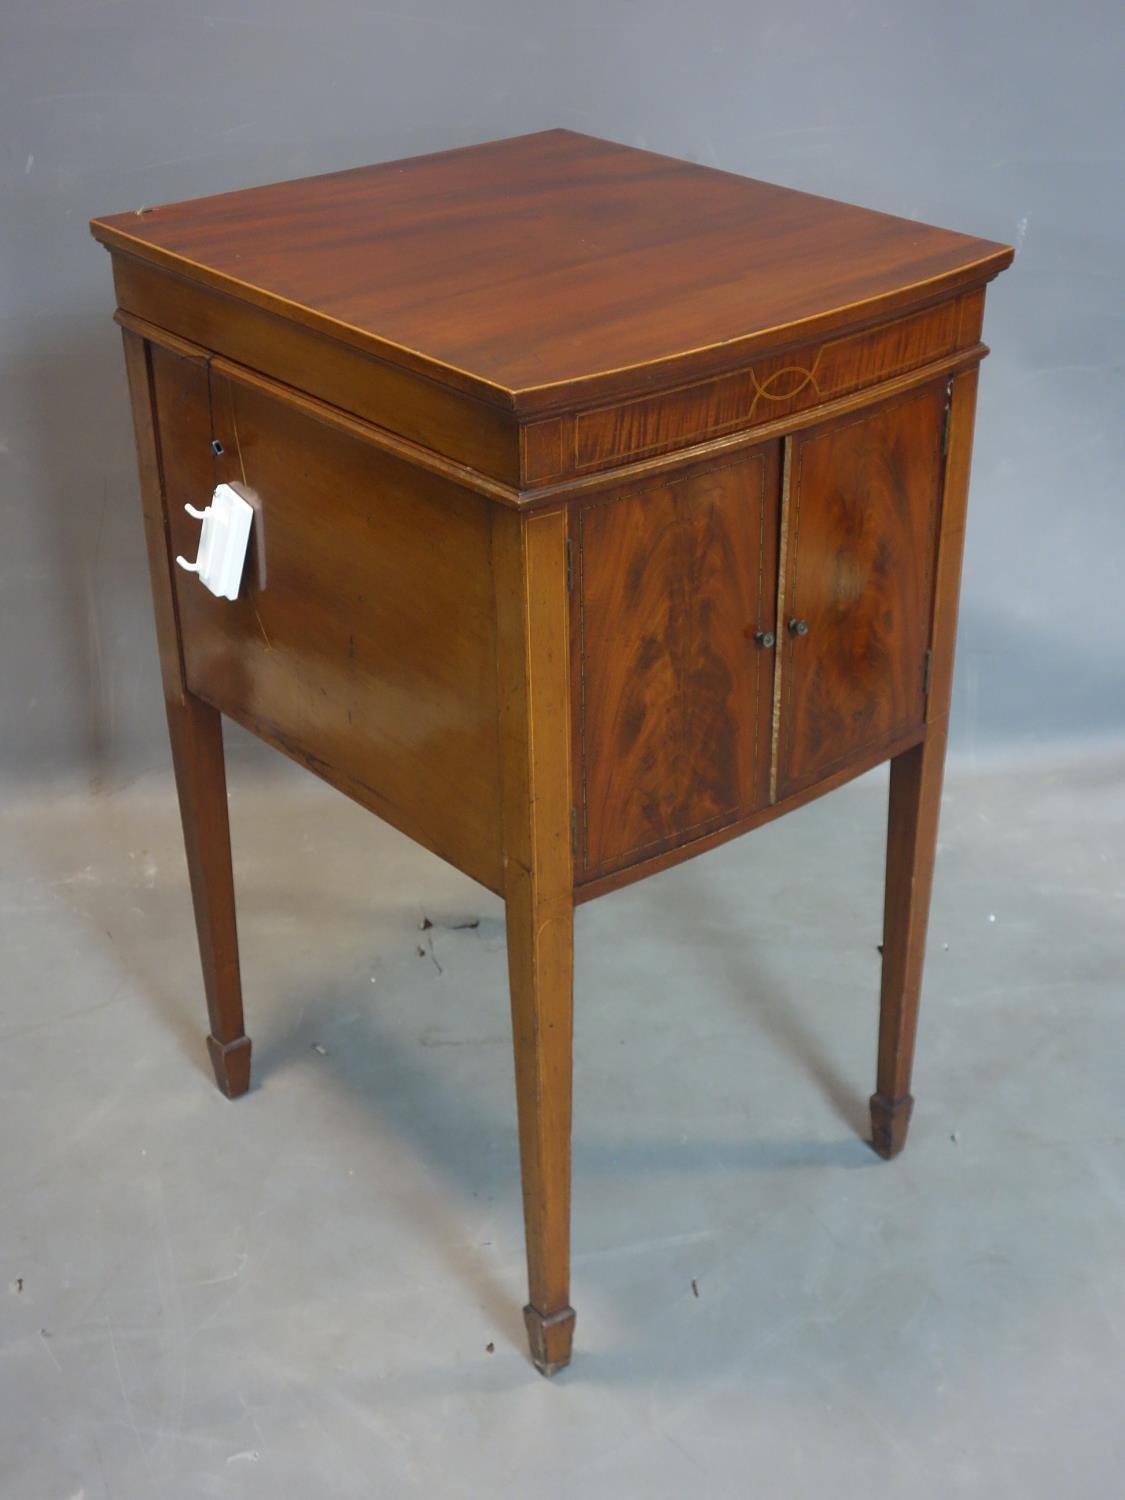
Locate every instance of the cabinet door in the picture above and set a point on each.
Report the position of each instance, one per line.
(673, 580)
(862, 522)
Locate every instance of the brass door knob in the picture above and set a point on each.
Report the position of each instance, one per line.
(764, 638)
(798, 627)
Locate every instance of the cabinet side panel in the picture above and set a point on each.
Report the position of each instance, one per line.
(674, 580)
(363, 638)
(862, 517)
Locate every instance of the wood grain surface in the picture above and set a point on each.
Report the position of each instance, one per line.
(777, 386)
(673, 581)
(914, 807)
(862, 528)
(529, 558)
(555, 267)
(196, 735)
(353, 380)
(363, 640)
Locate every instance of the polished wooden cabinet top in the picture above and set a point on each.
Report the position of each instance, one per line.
(555, 266)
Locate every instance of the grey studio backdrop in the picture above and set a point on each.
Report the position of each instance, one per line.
(1001, 119)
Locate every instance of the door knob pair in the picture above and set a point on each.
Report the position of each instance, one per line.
(766, 638)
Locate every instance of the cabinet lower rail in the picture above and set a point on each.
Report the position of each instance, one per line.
(601, 885)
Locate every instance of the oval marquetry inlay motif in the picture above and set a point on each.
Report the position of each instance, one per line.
(782, 385)
(772, 387)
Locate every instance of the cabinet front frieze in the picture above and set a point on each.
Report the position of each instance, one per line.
(776, 386)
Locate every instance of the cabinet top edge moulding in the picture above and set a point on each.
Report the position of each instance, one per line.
(539, 274)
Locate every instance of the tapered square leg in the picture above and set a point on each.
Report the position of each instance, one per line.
(195, 730)
(196, 733)
(531, 612)
(912, 823)
(540, 975)
(915, 803)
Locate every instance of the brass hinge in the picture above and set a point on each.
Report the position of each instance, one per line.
(927, 672)
(574, 831)
(569, 566)
(945, 420)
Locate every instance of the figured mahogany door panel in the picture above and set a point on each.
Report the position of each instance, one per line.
(362, 641)
(674, 580)
(862, 522)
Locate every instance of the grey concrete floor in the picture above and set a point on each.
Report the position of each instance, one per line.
(315, 1291)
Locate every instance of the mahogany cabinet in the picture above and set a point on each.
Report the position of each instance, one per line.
(604, 507)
